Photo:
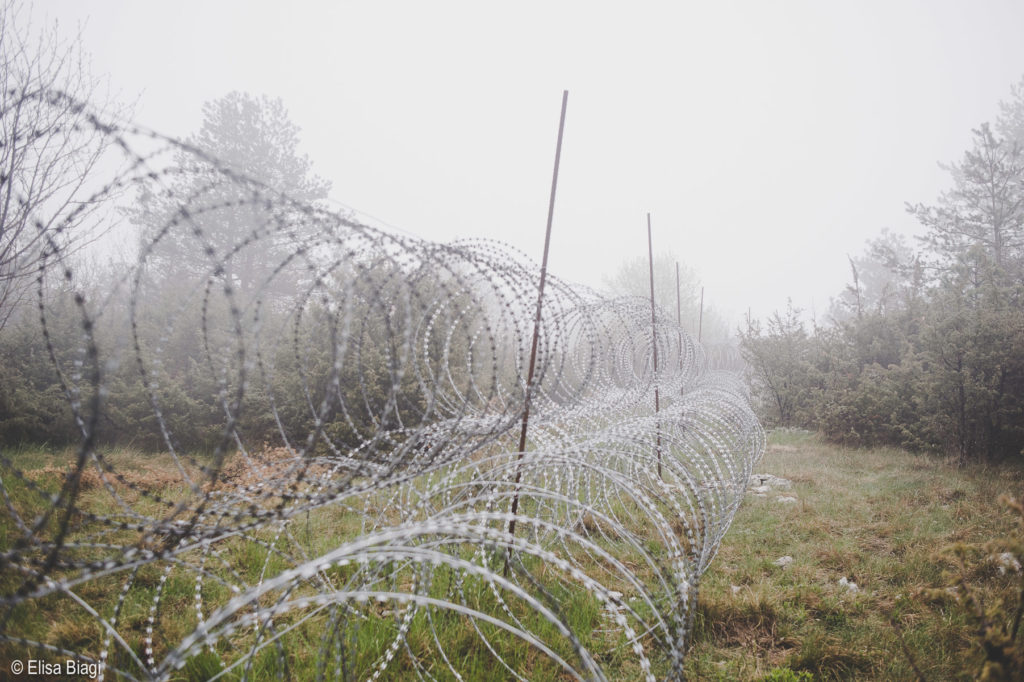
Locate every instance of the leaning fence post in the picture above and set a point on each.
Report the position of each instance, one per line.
(536, 327)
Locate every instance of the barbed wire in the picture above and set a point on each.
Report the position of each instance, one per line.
(352, 512)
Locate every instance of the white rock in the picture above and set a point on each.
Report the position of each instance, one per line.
(770, 480)
(735, 588)
(786, 499)
(760, 489)
(848, 584)
(783, 561)
(1007, 562)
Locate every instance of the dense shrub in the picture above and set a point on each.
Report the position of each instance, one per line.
(925, 349)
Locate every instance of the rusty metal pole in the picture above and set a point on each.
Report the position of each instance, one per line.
(654, 337)
(700, 320)
(679, 315)
(536, 325)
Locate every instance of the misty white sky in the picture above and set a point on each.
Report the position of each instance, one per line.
(767, 139)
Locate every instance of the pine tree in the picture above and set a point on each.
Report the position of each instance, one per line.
(237, 202)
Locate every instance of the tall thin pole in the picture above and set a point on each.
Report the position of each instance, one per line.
(536, 324)
(700, 320)
(654, 336)
(679, 315)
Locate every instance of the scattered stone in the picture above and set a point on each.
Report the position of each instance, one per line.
(849, 585)
(769, 480)
(735, 588)
(760, 485)
(783, 561)
(1007, 562)
(786, 499)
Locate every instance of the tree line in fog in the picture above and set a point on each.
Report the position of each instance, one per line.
(925, 347)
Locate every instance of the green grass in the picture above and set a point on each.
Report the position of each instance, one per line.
(59, 621)
(882, 518)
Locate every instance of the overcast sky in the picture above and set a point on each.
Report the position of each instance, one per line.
(767, 139)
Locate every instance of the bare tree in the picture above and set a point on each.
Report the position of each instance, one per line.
(51, 140)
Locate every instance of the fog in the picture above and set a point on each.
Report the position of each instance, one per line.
(325, 401)
(768, 140)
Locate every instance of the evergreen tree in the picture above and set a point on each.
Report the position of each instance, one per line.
(237, 202)
(980, 222)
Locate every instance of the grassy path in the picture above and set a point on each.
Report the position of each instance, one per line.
(882, 519)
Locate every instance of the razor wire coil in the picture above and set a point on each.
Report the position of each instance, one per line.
(387, 379)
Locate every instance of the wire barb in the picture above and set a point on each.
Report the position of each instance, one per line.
(333, 412)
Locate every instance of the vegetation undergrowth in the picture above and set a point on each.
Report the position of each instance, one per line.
(906, 529)
(261, 553)
(930, 546)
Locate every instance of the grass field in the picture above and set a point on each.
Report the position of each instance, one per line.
(883, 519)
